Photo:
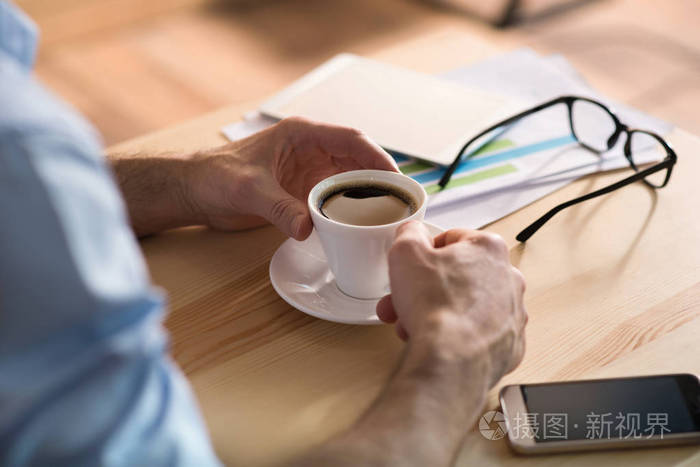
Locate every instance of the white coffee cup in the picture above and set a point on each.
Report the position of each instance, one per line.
(357, 254)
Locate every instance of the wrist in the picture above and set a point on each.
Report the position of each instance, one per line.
(156, 190)
(449, 336)
(421, 416)
(434, 397)
(216, 190)
(187, 175)
(444, 346)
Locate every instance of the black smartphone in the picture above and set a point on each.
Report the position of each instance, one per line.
(602, 414)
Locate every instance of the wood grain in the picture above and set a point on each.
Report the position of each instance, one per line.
(136, 66)
(612, 290)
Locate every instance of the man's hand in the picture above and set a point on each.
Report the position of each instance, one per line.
(270, 174)
(265, 177)
(459, 303)
(457, 291)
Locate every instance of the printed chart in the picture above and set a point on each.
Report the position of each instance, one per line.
(495, 158)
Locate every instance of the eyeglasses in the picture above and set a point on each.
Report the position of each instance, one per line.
(596, 128)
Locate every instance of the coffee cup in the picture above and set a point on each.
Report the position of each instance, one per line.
(357, 227)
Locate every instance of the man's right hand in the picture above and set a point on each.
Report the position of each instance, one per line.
(459, 303)
(459, 295)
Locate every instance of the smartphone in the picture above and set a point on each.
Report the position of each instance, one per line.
(602, 414)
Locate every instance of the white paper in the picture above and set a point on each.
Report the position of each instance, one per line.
(533, 79)
(252, 123)
(529, 78)
(522, 73)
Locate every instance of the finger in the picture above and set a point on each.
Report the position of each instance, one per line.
(453, 236)
(401, 332)
(412, 241)
(491, 242)
(520, 287)
(519, 279)
(385, 310)
(345, 143)
(518, 353)
(518, 349)
(413, 232)
(286, 212)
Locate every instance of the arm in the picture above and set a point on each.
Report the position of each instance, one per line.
(82, 343)
(154, 190)
(85, 376)
(458, 302)
(265, 177)
(419, 419)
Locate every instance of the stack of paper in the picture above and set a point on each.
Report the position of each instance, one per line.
(404, 111)
(526, 162)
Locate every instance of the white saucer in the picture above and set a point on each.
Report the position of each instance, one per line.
(300, 275)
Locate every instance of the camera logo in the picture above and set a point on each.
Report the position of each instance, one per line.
(492, 425)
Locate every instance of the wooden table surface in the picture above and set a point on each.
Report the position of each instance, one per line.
(613, 290)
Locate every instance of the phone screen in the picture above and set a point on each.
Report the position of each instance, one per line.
(625, 408)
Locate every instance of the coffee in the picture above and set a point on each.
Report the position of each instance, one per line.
(355, 228)
(367, 204)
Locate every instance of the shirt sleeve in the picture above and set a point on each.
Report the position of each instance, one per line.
(85, 373)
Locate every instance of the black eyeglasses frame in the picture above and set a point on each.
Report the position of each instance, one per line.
(666, 164)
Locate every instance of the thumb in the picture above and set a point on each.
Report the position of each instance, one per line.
(286, 212)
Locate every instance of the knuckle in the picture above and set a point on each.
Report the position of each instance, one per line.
(280, 207)
(456, 254)
(354, 132)
(479, 238)
(294, 121)
(491, 241)
(497, 242)
(247, 180)
(246, 184)
(291, 127)
(520, 278)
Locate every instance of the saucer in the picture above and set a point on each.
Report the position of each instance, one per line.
(300, 275)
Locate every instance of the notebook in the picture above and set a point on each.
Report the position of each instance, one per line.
(406, 112)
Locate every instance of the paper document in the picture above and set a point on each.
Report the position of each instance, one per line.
(408, 112)
(529, 160)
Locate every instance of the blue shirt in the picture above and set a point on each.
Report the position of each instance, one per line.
(85, 374)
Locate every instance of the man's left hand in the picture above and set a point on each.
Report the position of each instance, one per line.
(269, 174)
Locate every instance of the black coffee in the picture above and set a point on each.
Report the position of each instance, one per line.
(367, 204)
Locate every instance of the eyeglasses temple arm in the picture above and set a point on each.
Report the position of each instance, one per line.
(530, 230)
(453, 166)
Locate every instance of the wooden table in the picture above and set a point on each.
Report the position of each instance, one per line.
(613, 290)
